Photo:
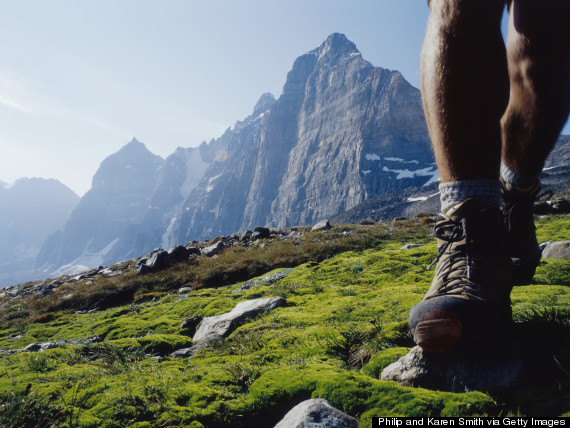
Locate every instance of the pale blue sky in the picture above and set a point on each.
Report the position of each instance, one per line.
(80, 78)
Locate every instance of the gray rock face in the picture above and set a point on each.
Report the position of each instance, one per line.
(557, 250)
(458, 372)
(342, 131)
(316, 413)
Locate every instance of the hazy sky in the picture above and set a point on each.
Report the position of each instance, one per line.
(80, 78)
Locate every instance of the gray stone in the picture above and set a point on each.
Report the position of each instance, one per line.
(177, 255)
(321, 225)
(185, 290)
(557, 250)
(221, 326)
(410, 246)
(316, 413)
(214, 249)
(458, 371)
(266, 280)
(260, 232)
(40, 347)
(157, 261)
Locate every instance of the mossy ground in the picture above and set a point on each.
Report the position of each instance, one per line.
(345, 319)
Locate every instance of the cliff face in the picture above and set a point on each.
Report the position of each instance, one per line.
(341, 132)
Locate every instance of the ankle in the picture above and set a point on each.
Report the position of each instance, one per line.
(520, 182)
(486, 192)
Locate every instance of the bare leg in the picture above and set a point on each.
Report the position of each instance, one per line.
(465, 87)
(538, 51)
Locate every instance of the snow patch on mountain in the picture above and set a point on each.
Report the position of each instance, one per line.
(372, 157)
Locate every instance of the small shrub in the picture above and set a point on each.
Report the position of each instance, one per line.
(242, 374)
(40, 363)
(354, 348)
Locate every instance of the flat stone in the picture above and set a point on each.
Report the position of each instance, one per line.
(316, 413)
(410, 246)
(321, 225)
(220, 326)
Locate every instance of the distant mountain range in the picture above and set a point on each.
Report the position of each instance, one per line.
(342, 133)
(30, 210)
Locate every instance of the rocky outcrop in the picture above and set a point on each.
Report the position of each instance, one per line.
(316, 413)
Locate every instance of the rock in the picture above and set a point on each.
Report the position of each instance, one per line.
(557, 250)
(188, 352)
(32, 347)
(321, 225)
(260, 233)
(266, 280)
(221, 326)
(185, 290)
(458, 371)
(193, 250)
(156, 262)
(212, 250)
(245, 236)
(189, 325)
(177, 255)
(316, 413)
(410, 246)
(40, 347)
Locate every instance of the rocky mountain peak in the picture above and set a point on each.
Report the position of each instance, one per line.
(335, 46)
(265, 102)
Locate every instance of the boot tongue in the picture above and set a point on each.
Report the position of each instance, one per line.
(466, 209)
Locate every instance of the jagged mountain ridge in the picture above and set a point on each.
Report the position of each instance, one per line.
(341, 132)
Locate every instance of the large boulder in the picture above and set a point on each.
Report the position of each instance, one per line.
(316, 413)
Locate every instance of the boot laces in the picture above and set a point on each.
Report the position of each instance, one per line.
(456, 266)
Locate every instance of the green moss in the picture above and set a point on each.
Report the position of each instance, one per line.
(345, 320)
(383, 359)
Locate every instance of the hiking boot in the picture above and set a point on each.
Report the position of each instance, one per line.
(518, 210)
(469, 299)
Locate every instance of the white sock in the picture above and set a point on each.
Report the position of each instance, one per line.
(487, 192)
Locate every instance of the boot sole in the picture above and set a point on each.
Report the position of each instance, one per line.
(438, 335)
